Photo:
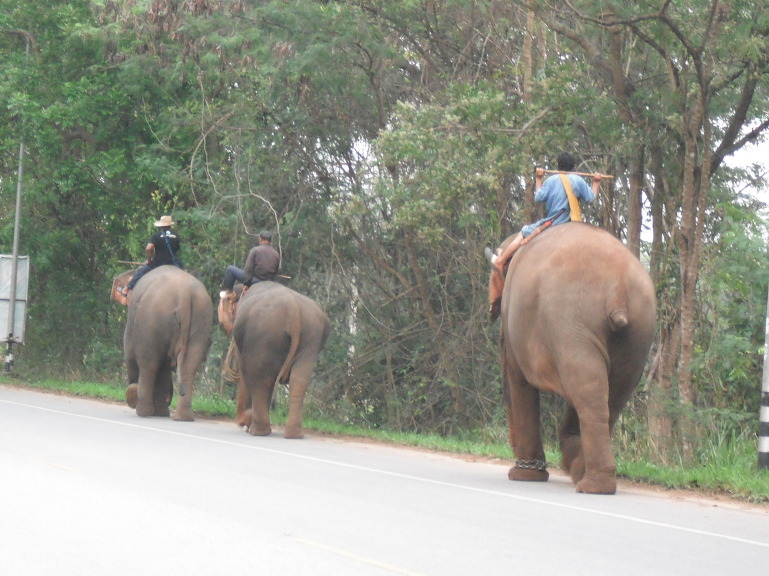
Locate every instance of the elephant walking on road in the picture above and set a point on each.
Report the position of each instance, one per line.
(578, 318)
(170, 316)
(278, 335)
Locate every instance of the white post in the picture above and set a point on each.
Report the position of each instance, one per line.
(763, 426)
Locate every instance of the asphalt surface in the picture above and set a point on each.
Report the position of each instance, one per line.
(89, 488)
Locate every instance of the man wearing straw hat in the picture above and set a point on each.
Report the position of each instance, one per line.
(162, 248)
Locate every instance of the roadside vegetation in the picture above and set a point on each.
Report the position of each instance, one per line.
(726, 466)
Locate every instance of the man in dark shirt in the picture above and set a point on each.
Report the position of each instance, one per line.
(162, 248)
(261, 264)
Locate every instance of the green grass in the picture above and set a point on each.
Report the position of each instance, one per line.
(729, 469)
(452, 444)
(84, 389)
(725, 468)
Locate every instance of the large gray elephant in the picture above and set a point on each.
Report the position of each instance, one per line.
(278, 335)
(578, 318)
(170, 316)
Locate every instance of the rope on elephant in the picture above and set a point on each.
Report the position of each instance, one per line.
(541, 228)
(231, 368)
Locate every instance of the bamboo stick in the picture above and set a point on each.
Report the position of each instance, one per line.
(577, 173)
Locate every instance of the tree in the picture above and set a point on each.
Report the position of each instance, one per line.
(69, 111)
(684, 79)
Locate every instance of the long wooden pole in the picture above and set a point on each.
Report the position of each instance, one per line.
(577, 173)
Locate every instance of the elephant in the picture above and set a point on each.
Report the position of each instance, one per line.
(170, 316)
(277, 336)
(577, 320)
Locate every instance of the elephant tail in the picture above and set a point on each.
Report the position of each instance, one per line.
(294, 329)
(617, 308)
(618, 319)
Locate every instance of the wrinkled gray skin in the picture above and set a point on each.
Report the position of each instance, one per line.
(578, 318)
(168, 329)
(279, 335)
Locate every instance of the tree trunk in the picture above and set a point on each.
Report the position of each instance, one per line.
(660, 422)
(635, 202)
(421, 283)
(661, 396)
(527, 55)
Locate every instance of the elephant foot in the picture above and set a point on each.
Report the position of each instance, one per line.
(162, 411)
(244, 419)
(256, 430)
(132, 395)
(529, 471)
(599, 485)
(293, 433)
(183, 415)
(575, 467)
(144, 409)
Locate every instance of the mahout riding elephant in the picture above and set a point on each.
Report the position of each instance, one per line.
(277, 337)
(578, 317)
(168, 328)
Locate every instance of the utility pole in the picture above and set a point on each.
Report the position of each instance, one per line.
(14, 267)
(15, 263)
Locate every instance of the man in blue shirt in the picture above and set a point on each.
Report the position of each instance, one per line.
(552, 193)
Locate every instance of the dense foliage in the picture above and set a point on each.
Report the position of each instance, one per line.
(386, 143)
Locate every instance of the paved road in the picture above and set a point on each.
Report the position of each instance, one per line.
(90, 488)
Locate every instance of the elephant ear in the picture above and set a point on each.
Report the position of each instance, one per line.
(228, 305)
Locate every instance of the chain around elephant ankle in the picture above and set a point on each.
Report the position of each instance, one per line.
(539, 465)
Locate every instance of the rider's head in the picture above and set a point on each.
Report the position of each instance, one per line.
(565, 162)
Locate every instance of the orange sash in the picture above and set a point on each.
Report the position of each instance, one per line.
(575, 213)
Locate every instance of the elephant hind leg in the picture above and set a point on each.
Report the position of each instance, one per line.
(132, 395)
(523, 413)
(132, 391)
(297, 388)
(586, 439)
(261, 394)
(572, 457)
(163, 392)
(600, 477)
(244, 415)
(601, 471)
(145, 405)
